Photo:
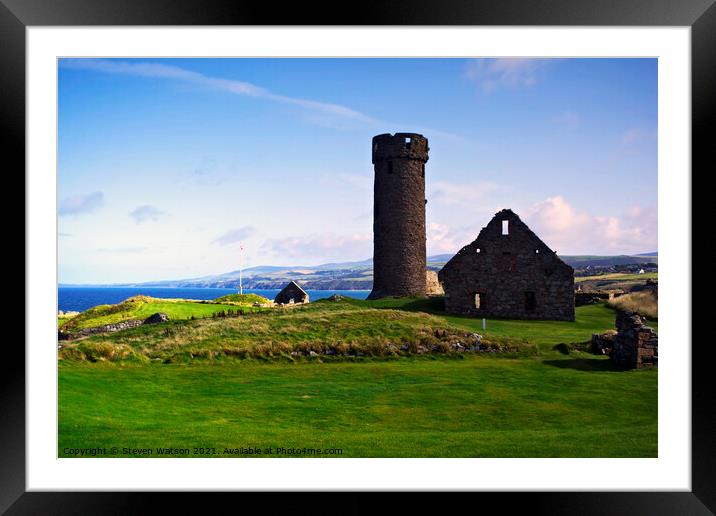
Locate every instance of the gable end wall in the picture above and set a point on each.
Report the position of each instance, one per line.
(503, 279)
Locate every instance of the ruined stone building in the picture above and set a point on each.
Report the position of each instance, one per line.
(290, 294)
(399, 261)
(635, 345)
(508, 272)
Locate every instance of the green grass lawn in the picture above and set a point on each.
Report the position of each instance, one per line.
(141, 307)
(474, 407)
(589, 319)
(542, 404)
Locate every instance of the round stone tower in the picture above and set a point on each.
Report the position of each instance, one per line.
(399, 264)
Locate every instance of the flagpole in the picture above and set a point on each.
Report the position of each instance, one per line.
(241, 288)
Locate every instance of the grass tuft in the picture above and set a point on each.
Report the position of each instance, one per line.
(643, 303)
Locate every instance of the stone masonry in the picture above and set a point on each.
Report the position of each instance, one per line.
(508, 272)
(588, 297)
(399, 259)
(432, 284)
(635, 345)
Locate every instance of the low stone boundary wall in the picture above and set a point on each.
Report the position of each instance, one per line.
(587, 297)
(107, 328)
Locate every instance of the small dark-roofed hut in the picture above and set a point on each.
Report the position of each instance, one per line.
(290, 294)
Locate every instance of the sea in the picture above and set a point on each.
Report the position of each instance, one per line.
(81, 298)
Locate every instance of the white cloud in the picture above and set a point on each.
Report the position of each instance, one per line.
(636, 135)
(460, 193)
(565, 229)
(145, 213)
(162, 71)
(568, 230)
(322, 247)
(234, 236)
(492, 74)
(568, 120)
(79, 204)
(441, 238)
(122, 250)
(362, 182)
(325, 114)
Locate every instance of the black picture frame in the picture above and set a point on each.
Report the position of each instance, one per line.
(16, 15)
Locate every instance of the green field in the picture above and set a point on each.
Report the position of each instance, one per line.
(616, 276)
(530, 402)
(141, 307)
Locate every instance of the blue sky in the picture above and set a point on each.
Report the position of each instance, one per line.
(167, 166)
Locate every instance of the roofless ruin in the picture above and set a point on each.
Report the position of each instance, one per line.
(506, 272)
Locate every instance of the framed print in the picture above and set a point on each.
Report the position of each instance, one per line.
(415, 250)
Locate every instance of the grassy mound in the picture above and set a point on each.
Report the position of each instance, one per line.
(334, 330)
(141, 307)
(243, 299)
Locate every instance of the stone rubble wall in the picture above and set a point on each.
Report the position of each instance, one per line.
(84, 332)
(588, 297)
(635, 345)
(107, 328)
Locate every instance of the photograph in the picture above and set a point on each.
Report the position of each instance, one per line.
(357, 257)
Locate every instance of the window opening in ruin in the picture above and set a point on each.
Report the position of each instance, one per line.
(408, 141)
(390, 167)
(536, 251)
(422, 171)
(478, 300)
(477, 250)
(505, 227)
(530, 301)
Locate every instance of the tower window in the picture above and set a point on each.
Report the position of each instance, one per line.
(408, 141)
(536, 251)
(422, 170)
(477, 250)
(390, 167)
(505, 227)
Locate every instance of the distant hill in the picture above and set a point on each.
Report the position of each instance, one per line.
(344, 275)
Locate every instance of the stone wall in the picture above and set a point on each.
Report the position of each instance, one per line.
(399, 258)
(635, 345)
(107, 328)
(510, 276)
(588, 297)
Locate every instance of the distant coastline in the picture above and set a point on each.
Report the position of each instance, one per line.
(80, 298)
(347, 276)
